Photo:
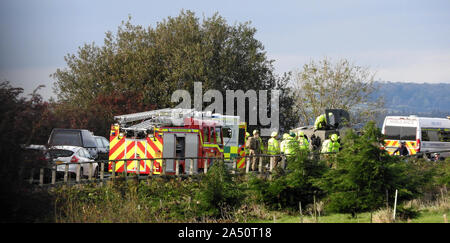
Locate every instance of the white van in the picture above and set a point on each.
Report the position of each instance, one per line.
(421, 134)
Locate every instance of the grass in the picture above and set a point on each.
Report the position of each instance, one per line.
(426, 216)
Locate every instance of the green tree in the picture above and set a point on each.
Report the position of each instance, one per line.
(363, 173)
(339, 85)
(219, 194)
(293, 185)
(151, 63)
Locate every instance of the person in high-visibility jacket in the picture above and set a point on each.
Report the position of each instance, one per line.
(283, 143)
(303, 141)
(291, 143)
(273, 148)
(333, 145)
(321, 121)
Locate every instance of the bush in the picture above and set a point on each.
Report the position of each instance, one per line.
(219, 194)
(363, 174)
(288, 188)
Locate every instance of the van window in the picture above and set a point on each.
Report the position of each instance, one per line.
(436, 134)
(72, 138)
(400, 133)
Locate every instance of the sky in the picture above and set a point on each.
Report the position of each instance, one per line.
(401, 41)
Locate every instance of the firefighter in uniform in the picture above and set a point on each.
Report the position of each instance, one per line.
(303, 141)
(334, 145)
(321, 121)
(273, 148)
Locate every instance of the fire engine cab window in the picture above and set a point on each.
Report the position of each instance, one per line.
(218, 137)
(211, 135)
(226, 132)
(205, 135)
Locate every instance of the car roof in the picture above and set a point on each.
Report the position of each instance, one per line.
(66, 147)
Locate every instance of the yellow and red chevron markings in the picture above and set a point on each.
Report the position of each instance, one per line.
(241, 161)
(391, 145)
(124, 148)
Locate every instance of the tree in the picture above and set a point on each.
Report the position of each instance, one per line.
(153, 62)
(339, 85)
(363, 173)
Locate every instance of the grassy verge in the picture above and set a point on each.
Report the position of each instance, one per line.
(426, 215)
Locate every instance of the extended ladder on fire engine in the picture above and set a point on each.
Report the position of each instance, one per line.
(166, 116)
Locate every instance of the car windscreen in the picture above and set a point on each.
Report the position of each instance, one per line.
(400, 133)
(55, 153)
(72, 138)
(100, 143)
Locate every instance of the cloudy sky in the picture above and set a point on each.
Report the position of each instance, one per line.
(405, 41)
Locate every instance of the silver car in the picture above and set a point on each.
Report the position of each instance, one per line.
(72, 155)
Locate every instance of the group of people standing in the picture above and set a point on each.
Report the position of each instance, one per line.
(287, 146)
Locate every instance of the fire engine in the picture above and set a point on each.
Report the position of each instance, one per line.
(169, 134)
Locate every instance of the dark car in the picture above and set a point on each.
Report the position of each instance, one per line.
(103, 147)
(74, 137)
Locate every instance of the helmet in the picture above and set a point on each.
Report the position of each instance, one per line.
(247, 134)
(285, 136)
(292, 134)
(255, 131)
(330, 114)
(274, 134)
(301, 134)
(334, 137)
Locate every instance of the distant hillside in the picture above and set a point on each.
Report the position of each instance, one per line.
(414, 98)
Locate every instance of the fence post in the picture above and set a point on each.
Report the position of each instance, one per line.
(66, 173)
(113, 169)
(150, 174)
(102, 169)
(177, 167)
(283, 162)
(78, 173)
(247, 164)
(32, 176)
(205, 167)
(163, 172)
(260, 167)
(271, 159)
(90, 171)
(41, 176)
(138, 167)
(395, 203)
(191, 166)
(125, 168)
(234, 166)
(54, 175)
